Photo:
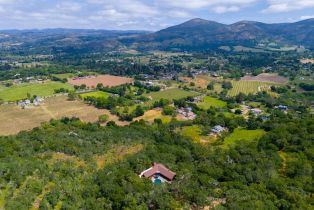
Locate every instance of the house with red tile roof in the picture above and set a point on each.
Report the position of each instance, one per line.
(158, 173)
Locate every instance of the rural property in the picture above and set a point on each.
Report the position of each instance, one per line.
(106, 80)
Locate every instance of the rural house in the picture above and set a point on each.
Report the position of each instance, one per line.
(158, 173)
(218, 129)
(282, 107)
(256, 111)
(186, 113)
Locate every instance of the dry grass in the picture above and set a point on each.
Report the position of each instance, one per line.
(39, 198)
(16, 119)
(106, 80)
(116, 154)
(195, 133)
(201, 82)
(22, 187)
(62, 157)
(153, 114)
(306, 61)
(58, 206)
(284, 157)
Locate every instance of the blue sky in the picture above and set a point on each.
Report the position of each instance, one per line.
(145, 14)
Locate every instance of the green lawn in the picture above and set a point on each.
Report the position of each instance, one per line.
(209, 101)
(243, 135)
(229, 114)
(127, 109)
(255, 104)
(18, 92)
(193, 132)
(64, 76)
(170, 94)
(96, 94)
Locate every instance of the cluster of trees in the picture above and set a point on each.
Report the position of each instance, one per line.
(112, 102)
(306, 86)
(152, 88)
(275, 172)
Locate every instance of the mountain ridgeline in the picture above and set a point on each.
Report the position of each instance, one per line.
(199, 34)
(193, 35)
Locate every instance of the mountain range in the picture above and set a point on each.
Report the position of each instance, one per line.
(199, 34)
(193, 35)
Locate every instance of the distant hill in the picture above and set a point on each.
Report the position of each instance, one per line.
(193, 35)
(63, 40)
(199, 34)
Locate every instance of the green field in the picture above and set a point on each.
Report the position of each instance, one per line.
(70, 75)
(96, 94)
(64, 76)
(153, 114)
(209, 101)
(195, 133)
(18, 92)
(247, 87)
(170, 94)
(243, 135)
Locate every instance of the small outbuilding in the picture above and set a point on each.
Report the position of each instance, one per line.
(158, 173)
(218, 129)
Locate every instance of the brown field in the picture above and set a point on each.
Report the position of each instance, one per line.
(106, 80)
(201, 81)
(14, 119)
(305, 61)
(153, 114)
(265, 77)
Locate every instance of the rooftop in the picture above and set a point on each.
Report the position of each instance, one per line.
(158, 169)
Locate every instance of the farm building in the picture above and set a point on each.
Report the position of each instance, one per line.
(27, 103)
(158, 173)
(186, 113)
(198, 99)
(282, 107)
(256, 111)
(218, 129)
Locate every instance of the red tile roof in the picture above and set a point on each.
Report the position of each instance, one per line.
(161, 169)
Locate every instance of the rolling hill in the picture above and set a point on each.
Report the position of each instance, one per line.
(193, 35)
(199, 34)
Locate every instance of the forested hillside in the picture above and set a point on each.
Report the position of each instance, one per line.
(70, 165)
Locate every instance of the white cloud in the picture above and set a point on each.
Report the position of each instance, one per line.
(132, 14)
(305, 17)
(179, 14)
(288, 5)
(199, 4)
(69, 6)
(224, 9)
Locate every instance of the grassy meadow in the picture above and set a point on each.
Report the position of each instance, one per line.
(64, 76)
(18, 92)
(17, 119)
(194, 132)
(170, 94)
(153, 114)
(96, 94)
(243, 135)
(209, 101)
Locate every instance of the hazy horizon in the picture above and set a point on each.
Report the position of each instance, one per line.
(132, 30)
(143, 14)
